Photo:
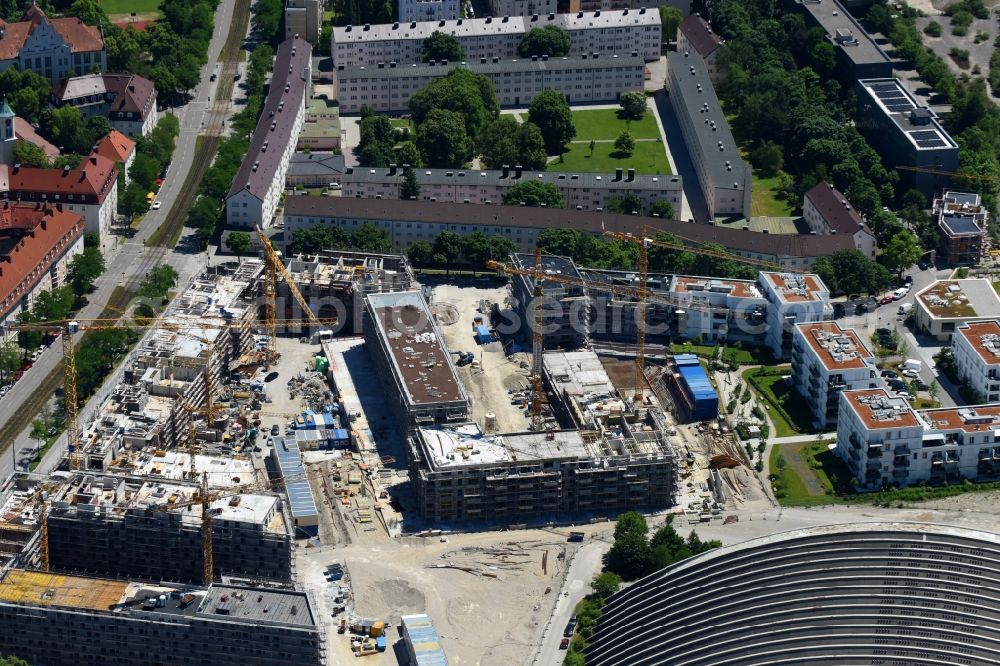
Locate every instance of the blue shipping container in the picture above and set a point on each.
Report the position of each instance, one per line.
(483, 335)
(697, 387)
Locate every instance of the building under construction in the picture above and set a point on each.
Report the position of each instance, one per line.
(607, 455)
(164, 379)
(409, 355)
(52, 619)
(151, 529)
(565, 308)
(335, 284)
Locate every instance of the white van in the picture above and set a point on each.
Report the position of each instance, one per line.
(899, 293)
(905, 308)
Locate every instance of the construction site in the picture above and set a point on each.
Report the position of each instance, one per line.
(358, 451)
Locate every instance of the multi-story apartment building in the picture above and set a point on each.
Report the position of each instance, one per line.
(37, 243)
(741, 313)
(117, 148)
(387, 88)
(858, 55)
(905, 133)
(977, 357)
(53, 48)
(565, 308)
(792, 298)
(127, 100)
(597, 32)
(827, 211)
(409, 221)
(429, 10)
(724, 177)
(524, 7)
(90, 191)
(826, 360)
(695, 34)
(304, 18)
(258, 185)
(885, 441)
(940, 308)
(583, 191)
(961, 227)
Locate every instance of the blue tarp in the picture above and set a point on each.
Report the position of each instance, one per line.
(483, 335)
(340, 435)
(698, 388)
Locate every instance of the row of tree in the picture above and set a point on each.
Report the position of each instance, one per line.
(207, 211)
(635, 553)
(450, 249)
(366, 238)
(550, 41)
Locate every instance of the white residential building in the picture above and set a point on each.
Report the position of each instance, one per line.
(583, 191)
(53, 48)
(429, 10)
(745, 319)
(977, 357)
(827, 211)
(793, 298)
(498, 37)
(387, 88)
(127, 100)
(257, 188)
(695, 34)
(885, 441)
(827, 360)
(523, 7)
(940, 308)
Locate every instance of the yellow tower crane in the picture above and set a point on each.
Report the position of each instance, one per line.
(642, 296)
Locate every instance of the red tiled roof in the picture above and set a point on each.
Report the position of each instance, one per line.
(115, 146)
(951, 418)
(874, 416)
(93, 177)
(47, 232)
(13, 39)
(80, 36)
(833, 356)
(24, 131)
(975, 332)
(699, 34)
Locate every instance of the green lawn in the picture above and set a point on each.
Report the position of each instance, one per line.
(605, 124)
(787, 409)
(740, 356)
(649, 157)
(764, 201)
(808, 474)
(128, 6)
(402, 122)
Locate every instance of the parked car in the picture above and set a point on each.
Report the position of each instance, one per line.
(839, 310)
(910, 372)
(921, 386)
(274, 430)
(908, 281)
(899, 293)
(923, 265)
(271, 376)
(564, 644)
(570, 628)
(882, 332)
(885, 300)
(157, 205)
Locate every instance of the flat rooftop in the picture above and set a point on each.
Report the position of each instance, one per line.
(466, 445)
(984, 337)
(796, 287)
(845, 32)
(980, 418)
(948, 299)
(684, 284)
(879, 411)
(960, 225)
(836, 348)
(495, 67)
(918, 123)
(39, 588)
(174, 465)
(422, 362)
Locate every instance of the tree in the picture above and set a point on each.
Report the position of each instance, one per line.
(550, 112)
(239, 242)
(447, 248)
(267, 20)
(630, 554)
(420, 253)
(408, 153)
(901, 253)
(441, 46)
(534, 194)
(768, 158)
(625, 143)
(311, 240)
(84, 269)
(409, 188)
(851, 272)
(10, 361)
(504, 141)
(370, 238)
(376, 141)
(65, 126)
(606, 584)
(461, 91)
(158, 282)
(551, 40)
(633, 104)
(628, 203)
(670, 19)
(662, 209)
(443, 141)
(29, 155)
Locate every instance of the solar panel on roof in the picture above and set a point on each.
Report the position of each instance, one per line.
(899, 108)
(924, 134)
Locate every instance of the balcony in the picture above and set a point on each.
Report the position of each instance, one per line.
(875, 450)
(901, 450)
(873, 465)
(901, 461)
(900, 474)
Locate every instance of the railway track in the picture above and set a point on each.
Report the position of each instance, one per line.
(163, 239)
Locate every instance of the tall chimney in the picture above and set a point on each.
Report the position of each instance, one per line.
(506, 170)
(517, 171)
(618, 173)
(631, 175)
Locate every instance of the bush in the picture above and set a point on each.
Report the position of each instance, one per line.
(933, 29)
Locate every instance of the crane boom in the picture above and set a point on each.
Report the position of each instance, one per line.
(942, 172)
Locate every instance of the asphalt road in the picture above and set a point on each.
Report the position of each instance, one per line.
(125, 264)
(585, 565)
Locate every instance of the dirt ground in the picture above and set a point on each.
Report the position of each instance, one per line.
(455, 306)
(490, 613)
